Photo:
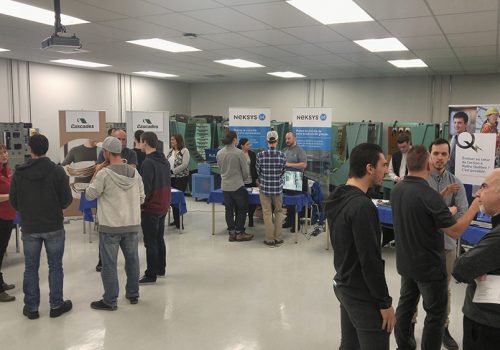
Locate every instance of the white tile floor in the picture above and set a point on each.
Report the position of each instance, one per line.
(217, 295)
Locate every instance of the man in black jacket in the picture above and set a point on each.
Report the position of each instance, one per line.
(40, 191)
(366, 314)
(397, 165)
(482, 320)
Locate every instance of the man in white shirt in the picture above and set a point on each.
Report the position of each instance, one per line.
(397, 165)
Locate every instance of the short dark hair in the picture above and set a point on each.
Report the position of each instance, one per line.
(180, 141)
(417, 158)
(110, 131)
(39, 144)
(362, 155)
(402, 138)
(461, 115)
(137, 135)
(439, 141)
(229, 138)
(243, 141)
(150, 138)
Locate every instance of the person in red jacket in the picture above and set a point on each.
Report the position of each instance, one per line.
(7, 215)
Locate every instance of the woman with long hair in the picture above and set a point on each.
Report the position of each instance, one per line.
(251, 181)
(178, 157)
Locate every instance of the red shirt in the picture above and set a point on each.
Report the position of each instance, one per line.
(6, 211)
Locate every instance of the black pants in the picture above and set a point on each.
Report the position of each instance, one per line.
(5, 232)
(153, 227)
(479, 336)
(361, 324)
(236, 202)
(179, 183)
(435, 299)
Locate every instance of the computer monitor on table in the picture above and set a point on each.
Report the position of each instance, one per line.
(293, 181)
(483, 217)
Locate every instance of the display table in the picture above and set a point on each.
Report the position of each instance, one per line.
(299, 201)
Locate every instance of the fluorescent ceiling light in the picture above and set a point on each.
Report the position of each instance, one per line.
(35, 14)
(332, 11)
(415, 63)
(3, 50)
(382, 45)
(287, 74)
(240, 63)
(164, 45)
(81, 63)
(156, 74)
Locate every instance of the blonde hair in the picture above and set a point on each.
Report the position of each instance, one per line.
(3, 148)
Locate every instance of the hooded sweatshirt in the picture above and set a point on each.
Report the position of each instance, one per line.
(120, 193)
(155, 172)
(40, 191)
(355, 236)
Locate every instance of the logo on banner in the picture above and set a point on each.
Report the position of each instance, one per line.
(308, 117)
(323, 117)
(262, 116)
(148, 124)
(81, 123)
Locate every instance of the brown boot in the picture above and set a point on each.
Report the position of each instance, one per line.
(243, 236)
(232, 237)
(4, 297)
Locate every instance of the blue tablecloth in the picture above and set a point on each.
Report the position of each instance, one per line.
(299, 200)
(86, 206)
(472, 235)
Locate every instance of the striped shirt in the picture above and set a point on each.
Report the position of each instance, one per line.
(270, 169)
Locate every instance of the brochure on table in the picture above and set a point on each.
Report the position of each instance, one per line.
(251, 123)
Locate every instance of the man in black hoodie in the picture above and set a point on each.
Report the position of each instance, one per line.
(366, 315)
(155, 172)
(40, 191)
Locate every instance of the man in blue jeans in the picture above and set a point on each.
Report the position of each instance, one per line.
(120, 193)
(40, 191)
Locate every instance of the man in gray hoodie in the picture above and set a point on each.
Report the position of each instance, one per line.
(119, 191)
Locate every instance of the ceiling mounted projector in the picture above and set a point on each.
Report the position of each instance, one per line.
(60, 41)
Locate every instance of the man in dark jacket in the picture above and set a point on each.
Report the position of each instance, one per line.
(40, 191)
(482, 320)
(155, 172)
(366, 314)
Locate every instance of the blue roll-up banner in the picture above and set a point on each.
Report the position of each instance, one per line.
(313, 128)
(251, 123)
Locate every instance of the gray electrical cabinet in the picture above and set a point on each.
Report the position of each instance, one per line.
(15, 138)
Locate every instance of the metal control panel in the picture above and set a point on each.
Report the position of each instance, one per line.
(15, 138)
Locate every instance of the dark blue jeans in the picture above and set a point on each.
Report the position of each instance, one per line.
(109, 243)
(32, 246)
(435, 300)
(153, 228)
(236, 202)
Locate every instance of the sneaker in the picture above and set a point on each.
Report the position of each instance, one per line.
(279, 242)
(133, 300)
(243, 236)
(161, 275)
(448, 341)
(147, 280)
(232, 238)
(270, 244)
(98, 268)
(5, 298)
(58, 311)
(32, 315)
(101, 305)
(6, 286)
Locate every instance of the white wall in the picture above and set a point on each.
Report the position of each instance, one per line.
(5, 86)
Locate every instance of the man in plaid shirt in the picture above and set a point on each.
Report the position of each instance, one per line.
(270, 169)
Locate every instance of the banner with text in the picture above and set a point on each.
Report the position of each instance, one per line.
(475, 156)
(82, 121)
(251, 123)
(148, 121)
(313, 128)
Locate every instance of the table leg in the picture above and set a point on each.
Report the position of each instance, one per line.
(181, 219)
(90, 232)
(327, 231)
(213, 218)
(17, 239)
(296, 225)
(307, 219)
(84, 228)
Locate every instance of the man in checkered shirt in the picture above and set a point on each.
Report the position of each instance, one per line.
(270, 169)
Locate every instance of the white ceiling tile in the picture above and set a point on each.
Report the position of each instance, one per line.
(131, 8)
(476, 51)
(342, 47)
(148, 30)
(186, 5)
(87, 12)
(277, 15)
(440, 7)
(304, 49)
(470, 22)
(408, 27)
(330, 59)
(272, 37)
(184, 23)
(361, 30)
(397, 55)
(235, 53)
(474, 60)
(228, 18)
(296, 60)
(95, 32)
(269, 51)
(473, 39)
(361, 57)
(425, 42)
(387, 9)
(429, 53)
(233, 40)
(315, 34)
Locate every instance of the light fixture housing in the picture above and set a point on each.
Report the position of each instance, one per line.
(382, 45)
(155, 74)
(164, 45)
(332, 11)
(239, 63)
(3, 50)
(35, 14)
(413, 63)
(287, 74)
(80, 63)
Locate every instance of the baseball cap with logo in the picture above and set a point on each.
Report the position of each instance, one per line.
(112, 144)
(272, 136)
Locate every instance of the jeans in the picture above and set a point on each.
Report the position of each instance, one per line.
(236, 201)
(435, 299)
(109, 244)
(479, 336)
(32, 247)
(179, 183)
(153, 228)
(361, 324)
(273, 231)
(5, 232)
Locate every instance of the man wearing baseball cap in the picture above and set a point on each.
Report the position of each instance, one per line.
(270, 166)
